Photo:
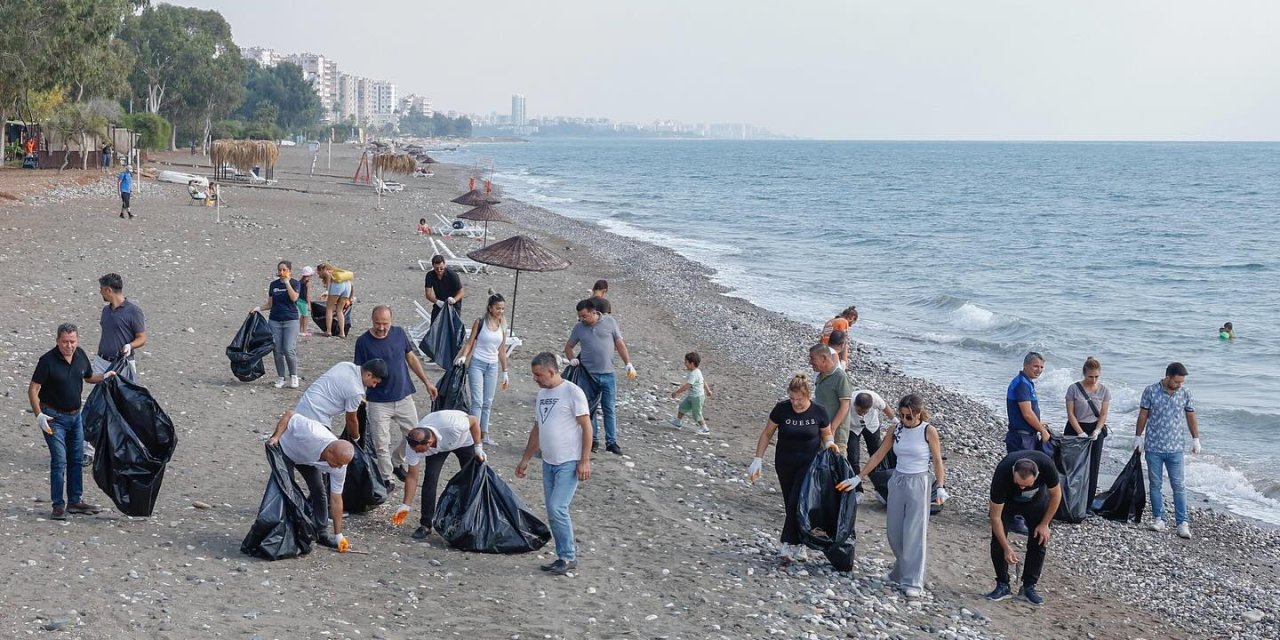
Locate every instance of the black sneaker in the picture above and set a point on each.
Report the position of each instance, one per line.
(130, 215)
(595, 446)
(421, 533)
(614, 449)
(84, 508)
(59, 513)
(400, 473)
(1001, 592)
(560, 567)
(391, 487)
(1029, 592)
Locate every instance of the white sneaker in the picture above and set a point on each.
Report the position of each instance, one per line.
(1184, 530)
(675, 423)
(785, 552)
(279, 383)
(1157, 525)
(912, 592)
(488, 442)
(703, 430)
(293, 382)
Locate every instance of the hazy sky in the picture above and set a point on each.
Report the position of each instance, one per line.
(888, 69)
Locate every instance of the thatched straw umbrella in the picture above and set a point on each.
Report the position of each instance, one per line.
(521, 253)
(485, 213)
(401, 163)
(244, 155)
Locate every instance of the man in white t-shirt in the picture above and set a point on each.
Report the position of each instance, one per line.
(868, 406)
(562, 430)
(437, 434)
(341, 390)
(315, 452)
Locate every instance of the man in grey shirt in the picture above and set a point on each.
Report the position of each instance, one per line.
(123, 327)
(598, 336)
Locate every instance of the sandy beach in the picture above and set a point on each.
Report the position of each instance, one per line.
(673, 541)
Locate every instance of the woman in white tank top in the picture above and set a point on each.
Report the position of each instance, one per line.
(487, 351)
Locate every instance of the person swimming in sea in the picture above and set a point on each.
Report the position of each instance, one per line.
(1226, 332)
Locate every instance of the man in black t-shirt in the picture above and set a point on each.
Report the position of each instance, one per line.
(1024, 484)
(443, 286)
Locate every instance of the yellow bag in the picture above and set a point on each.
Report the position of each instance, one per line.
(342, 275)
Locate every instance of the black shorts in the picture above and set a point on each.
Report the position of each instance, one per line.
(124, 199)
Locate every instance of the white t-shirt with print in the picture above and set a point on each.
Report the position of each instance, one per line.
(339, 390)
(453, 431)
(304, 440)
(557, 411)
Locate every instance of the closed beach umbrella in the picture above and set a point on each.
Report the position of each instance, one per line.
(521, 253)
(475, 198)
(485, 213)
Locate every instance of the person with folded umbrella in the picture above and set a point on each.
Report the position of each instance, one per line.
(429, 445)
(317, 455)
(443, 286)
(599, 336)
(341, 389)
(54, 392)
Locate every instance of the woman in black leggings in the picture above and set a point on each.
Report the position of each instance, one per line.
(803, 429)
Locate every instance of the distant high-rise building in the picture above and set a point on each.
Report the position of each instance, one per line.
(517, 110)
(322, 73)
(420, 105)
(384, 97)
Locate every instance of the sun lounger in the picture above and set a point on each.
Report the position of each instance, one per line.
(461, 263)
(448, 229)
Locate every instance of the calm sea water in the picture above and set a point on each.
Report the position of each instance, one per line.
(963, 256)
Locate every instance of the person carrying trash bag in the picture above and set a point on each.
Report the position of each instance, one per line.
(311, 448)
(578, 375)
(135, 442)
(252, 343)
(916, 444)
(443, 340)
(285, 527)
(428, 446)
(1127, 497)
(826, 514)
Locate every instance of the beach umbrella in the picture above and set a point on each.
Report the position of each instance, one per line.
(521, 253)
(485, 213)
(475, 198)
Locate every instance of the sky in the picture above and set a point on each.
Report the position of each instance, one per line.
(831, 69)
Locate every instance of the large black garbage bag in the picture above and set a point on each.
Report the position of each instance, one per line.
(94, 412)
(135, 441)
(284, 527)
(585, 381)
(479, 512)
(826, 514)
(366, 487)
(452, 388)
(443, 340)
(252, 343)
(1071, 457)
(322, 322)
(879, 476)
(1127, 497)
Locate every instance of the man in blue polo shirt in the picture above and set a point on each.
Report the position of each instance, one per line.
(1026, 431)
(125, 182)
(1166, 409)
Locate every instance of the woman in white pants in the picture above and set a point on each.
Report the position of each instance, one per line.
(915, 442)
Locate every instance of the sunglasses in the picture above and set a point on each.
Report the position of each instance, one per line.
(417, 443)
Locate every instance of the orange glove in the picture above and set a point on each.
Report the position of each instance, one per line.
(401, 515)
(343, 545)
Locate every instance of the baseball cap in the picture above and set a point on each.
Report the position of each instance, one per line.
(308, 271)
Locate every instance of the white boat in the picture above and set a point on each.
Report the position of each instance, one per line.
(177, 177)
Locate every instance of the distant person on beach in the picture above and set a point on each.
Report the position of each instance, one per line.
(864, 424)
(106, 155)
(833, 392)
(391, 401)
(54, 393)
(1026, 431)
(429, 445)
(916, 445)
(443, 286)
(341, 389)
(1165, 411)
(282, 309)
(1088, 404)
(124, 183)
(1025, 484)
(316, 453)
(598, 292)
(423, 227)
(842, 322)
(803, 430)
(341, 288)
(599, 337)
(304, 300)
(695, 391)
(486, 348)
(1226, 332)
(839, 340)
(562, 432)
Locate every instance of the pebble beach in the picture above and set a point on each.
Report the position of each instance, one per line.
(674, 542)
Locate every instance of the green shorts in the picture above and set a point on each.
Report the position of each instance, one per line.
(304, 309)
(691, 407)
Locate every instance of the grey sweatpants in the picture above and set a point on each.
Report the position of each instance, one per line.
(907, 522)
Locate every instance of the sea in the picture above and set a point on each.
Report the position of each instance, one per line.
(963, 256)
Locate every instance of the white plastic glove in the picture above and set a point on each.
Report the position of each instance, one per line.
(631, 370)
(1096, 433)
(255, 310)
(754, 469)
(1138, 443)
(1195, 445)
(479, 449)
(43, 421)
(849, 485)
(126, 350)
(440, 303)
(574, 362)
(460, 360)
(506, 380)
(829, 443)
(943, 496)
(452, 301)
(343, 545)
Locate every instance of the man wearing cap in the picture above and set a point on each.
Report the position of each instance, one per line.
(392, 401)
(341, 390)
(443, 286)
(439, 434)
(316, 453)
(54, 394)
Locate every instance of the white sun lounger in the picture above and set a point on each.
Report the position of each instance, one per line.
(454, 261)
(448, 230)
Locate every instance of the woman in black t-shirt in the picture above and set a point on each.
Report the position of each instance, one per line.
(803, 429)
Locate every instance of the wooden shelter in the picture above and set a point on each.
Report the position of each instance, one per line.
(232, 156)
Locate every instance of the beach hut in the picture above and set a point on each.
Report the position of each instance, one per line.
(521, 253)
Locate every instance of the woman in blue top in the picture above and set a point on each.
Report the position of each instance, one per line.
(282, 298)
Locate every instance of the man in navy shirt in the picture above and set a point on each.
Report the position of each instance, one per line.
(1026, 431)
(391, 401)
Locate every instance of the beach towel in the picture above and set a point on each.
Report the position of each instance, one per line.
(135, 442)
(1127, 497)
(480, 512)
(826, 514)
(251, 344)
(1071, 457)
(283, 528)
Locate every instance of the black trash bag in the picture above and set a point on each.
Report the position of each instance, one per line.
(826, 514)
(284, 527)
(94, 412)
(1071, 457)
(585, 381)
(453, 392)
(322, 323)
(252, 343)
(444, 339)
(480, 512)
(1127, 497)
(879, 476)
(135, 441)
(365, 487)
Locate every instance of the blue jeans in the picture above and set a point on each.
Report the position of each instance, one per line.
(1156, 463)
(608, 384)
(559, 482)
(66, 457)
(285, 335)
(482, 379)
